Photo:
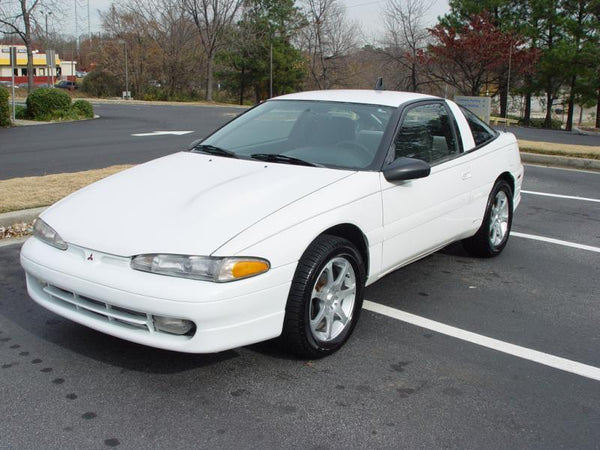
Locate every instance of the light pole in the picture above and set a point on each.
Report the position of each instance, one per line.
(122, 41)
(48, 65)
(272, 34)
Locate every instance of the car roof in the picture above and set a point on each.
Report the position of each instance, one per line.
(371, 97)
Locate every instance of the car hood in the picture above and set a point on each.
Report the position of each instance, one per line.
(184, 203)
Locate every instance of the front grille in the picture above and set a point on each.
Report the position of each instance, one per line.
(99, 310)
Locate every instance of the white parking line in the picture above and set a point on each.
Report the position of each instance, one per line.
(546, 359)
(570, 197)
(556, 241)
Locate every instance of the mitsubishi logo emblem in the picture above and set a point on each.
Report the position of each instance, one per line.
(91, 257)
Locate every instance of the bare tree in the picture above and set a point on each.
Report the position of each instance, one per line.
(212, 18)
(17, 18)
(405, 35)
(167, 23)
(327, 38)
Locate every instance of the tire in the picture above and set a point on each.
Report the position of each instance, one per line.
(325, 298)
(492, 236)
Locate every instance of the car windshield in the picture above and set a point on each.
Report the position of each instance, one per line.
(320, 133)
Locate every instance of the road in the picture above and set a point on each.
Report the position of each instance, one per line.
(394, 385)
(556, 136)
(94, 144)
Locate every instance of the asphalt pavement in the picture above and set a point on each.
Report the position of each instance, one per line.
(394, 385)
(108, 140)
(555, 136)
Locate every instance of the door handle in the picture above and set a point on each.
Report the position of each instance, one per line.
(466, 175)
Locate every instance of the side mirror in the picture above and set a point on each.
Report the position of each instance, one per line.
(403, 169)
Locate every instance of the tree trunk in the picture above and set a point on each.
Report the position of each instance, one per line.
(549, 101)
(209, 76)
(242, 87)
(598, 110)
(503, 100)
(27, 23)
(527, 114)
(569, 126)
(413, 77)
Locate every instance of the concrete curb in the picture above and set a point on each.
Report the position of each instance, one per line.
(12, 241)
(25, 215)
(561, 161)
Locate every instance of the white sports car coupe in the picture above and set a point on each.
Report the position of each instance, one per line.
(274, 224)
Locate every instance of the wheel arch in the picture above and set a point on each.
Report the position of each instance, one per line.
(507, 176)
(355, 235)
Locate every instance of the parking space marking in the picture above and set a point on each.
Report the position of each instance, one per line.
(546, 359)
(556, 241)
(569, 197)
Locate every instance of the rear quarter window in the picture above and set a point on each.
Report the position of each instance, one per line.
(482, 133)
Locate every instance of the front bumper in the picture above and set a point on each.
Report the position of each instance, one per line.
(107, 295)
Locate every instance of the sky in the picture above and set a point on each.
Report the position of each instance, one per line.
(368, 13)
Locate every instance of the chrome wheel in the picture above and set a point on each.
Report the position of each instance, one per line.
(499, 217)
(332, 300)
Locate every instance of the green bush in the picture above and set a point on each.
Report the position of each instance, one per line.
(48, 104)
(83, 108)
(100, 83)
(539, 123)
(4, 109)
(21, 112)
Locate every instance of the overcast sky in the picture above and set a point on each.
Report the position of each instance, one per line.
(366, 12)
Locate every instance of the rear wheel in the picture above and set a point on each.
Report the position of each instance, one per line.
(325, 298)
(492, 236)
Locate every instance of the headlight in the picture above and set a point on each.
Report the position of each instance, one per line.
(46, 233)
(201, 267)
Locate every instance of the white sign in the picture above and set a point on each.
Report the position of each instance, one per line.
(481, 106)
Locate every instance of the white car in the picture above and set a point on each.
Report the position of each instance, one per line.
(273, 225)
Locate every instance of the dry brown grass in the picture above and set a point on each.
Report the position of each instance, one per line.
(550, 148)
(32, 192)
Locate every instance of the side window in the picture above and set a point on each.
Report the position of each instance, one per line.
(426, 133)
(481, 132)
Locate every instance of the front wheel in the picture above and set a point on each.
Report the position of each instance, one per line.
(325, 298)
(492, 236)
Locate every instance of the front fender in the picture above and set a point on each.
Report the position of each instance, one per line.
(283, 236)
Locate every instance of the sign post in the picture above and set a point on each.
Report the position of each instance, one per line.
(13, 66)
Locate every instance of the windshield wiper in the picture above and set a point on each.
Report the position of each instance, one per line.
(212, 150)
(270, 157)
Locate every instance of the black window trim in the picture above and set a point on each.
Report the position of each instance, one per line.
(402, 113)
(477, 147)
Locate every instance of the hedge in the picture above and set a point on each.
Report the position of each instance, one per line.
(100, 83)
(4, 108)
(83, 108)
(48, 104)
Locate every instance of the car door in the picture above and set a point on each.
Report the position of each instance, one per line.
(422, 215)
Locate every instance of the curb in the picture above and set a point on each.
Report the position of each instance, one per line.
(561, 161)
(25, 215)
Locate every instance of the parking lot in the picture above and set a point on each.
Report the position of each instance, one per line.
(395, 384)
(451, 351)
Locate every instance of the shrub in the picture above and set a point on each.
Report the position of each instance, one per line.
(539, 123)
(4, 109)
(21, 112)
(48, 104)
(83, 108)
(100, 83)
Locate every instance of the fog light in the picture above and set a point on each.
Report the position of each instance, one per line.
(173, 326)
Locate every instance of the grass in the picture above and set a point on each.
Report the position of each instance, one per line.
(33, 192)
(550, 148)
